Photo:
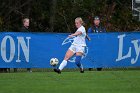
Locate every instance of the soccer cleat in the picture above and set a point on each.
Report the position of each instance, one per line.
(81, 70)
(57, 71)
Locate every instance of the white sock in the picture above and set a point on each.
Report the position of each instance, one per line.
(63, 64)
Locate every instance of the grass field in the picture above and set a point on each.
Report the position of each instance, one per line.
(71, 82)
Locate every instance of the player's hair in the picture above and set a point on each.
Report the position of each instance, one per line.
(25, 19)
(81, 20)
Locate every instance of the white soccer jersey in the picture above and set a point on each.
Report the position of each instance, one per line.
(80, 39)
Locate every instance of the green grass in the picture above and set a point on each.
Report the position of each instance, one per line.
(71, 82)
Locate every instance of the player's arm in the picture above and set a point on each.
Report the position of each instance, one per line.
(88, 37)
(76, 34)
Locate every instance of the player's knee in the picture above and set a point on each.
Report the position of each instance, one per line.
(79, 54)
(66, 57)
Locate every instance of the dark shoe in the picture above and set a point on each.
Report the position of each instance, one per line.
(57, 71)
(99, 69)
(81, 70)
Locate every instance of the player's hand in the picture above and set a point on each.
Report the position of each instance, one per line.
(89, 39)
(70, 36)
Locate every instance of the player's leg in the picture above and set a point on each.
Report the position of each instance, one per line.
(79, 54)
(68, 55)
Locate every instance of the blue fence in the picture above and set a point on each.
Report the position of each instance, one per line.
(34, 50)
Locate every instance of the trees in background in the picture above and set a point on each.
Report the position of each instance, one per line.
(59, 15)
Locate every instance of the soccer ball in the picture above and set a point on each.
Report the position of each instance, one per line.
(54, 61)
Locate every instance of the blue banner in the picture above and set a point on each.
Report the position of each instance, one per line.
(34, 50)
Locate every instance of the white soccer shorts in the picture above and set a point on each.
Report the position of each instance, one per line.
(76, 48)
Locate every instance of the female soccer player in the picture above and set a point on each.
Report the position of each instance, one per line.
(77, 47)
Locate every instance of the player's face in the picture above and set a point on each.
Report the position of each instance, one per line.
(26, 23)
(97, 22)
(77, 23)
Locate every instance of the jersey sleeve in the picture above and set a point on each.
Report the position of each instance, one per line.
(81, 29)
